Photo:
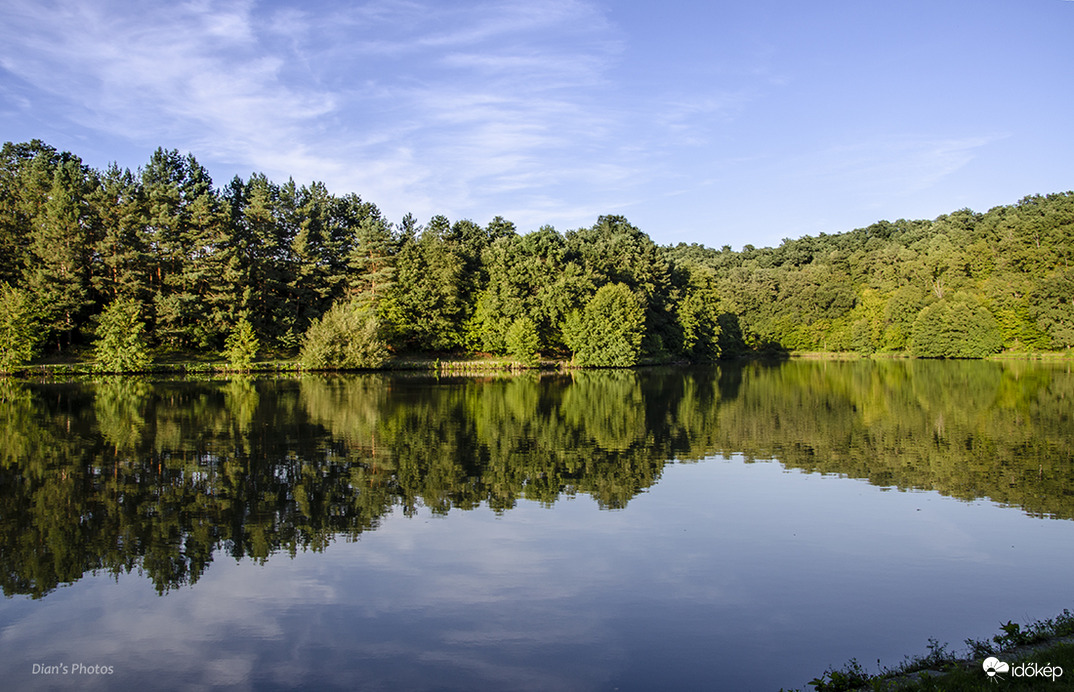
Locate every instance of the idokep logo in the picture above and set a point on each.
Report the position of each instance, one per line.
(993, 667)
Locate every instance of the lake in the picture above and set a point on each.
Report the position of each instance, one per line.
(739, 527)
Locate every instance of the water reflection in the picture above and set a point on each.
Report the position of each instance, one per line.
(128, 475)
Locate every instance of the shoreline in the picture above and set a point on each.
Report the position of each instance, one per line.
(1041, 645)
(459, 364)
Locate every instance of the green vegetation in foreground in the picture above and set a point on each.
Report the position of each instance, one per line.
(129, 262)
(1045, 644)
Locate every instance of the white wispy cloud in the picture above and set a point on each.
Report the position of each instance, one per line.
(896, 165)
(552, 111)
(184, 72)
(414, 105)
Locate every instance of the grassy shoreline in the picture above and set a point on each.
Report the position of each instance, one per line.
(902, 355)
(178, 363)
(1043, 646)
(447, 365)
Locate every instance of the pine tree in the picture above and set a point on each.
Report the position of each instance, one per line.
(25, 180)
(241, 346)
(371, 260)
(121, 344)
(123, 258)
(608, 332)
(523, 342)
(60, 244)
(185, 228)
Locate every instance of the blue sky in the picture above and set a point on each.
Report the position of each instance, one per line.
(709, 122)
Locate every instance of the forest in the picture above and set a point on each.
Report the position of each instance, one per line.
(117, 266)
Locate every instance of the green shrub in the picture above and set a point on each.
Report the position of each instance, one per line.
(608, 332)
(346, 337)
(121, 344)
(19, 331)
(523, 341)
(241, 346)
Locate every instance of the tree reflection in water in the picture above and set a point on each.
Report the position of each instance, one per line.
(158, 477)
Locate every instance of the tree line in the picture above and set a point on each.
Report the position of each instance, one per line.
(966, 284)
(160, 258)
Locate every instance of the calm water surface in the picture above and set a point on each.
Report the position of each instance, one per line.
(740, 527)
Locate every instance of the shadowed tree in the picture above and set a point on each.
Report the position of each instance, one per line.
(26, 172)
(426, 307)
(186, 231)
(123, 256)
(61, 244)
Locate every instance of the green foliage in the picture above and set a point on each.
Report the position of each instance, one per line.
(60, 245)
(19, 331)
(608, 332)
(119, 407)
(901, 310)
(800, 295)
(426, 307)
(122, 243)
(121, 344)
(242, 345)
(698, 320)
(186, 226)
(370, 259)
(523, 341)
(484, 329)
(867, 322)
(954, 329)
(614, 251)
(852, 676)
(1014, 635)
(527, 276)
(861, 337)
(347, 337)
(1053, 307)
(1011, 299)
(197, 258)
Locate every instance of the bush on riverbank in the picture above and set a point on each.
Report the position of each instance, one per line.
(347, 337)
(19, 333)
(1044, 644)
